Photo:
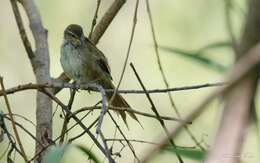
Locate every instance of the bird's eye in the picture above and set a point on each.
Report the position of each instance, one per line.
(72, 34)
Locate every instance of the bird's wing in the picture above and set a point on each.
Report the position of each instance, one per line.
(99, 58)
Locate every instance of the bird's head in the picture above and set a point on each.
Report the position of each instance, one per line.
(74, 34)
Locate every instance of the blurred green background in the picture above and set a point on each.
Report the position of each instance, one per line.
(187, 25)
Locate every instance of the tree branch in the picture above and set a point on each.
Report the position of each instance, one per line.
(13, 122)
(40, 64)
(31, 86)
(239, 100)
(242, 68)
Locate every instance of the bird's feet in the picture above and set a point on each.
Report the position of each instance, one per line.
(76, 86)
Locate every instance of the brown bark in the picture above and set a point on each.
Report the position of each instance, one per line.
(40, 63)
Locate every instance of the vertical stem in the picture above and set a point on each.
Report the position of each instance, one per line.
(12, 121)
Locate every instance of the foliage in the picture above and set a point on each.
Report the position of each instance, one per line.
(55, 154)
(199, 55)
(191, 153)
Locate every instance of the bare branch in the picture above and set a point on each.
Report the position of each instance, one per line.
(94, 21)
(25, 130)
(9, 136)
(67, 116)
(108, 154)
(40, 64)
(239, 71)
(125, 138)
(164, 75)
(129, 110)
(30, 86)
(106, 20)
(128, 51)
(156, 113)
(19, 22)
(64, 107)
(13, 121)
(240, 99)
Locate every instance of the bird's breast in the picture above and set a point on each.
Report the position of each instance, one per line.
(72, 63)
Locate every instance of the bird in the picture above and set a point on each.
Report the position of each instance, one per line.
(83, 62)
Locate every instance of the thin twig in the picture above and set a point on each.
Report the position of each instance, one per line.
(129, 110)
(156, 112)
(128, 51)
(13, 121)
(23, 35)
(106, 148)
(132, 140)
(239, 101)
(144, 141)
(67, 116)
(25, 130)
(94, 21)
(24, 118)
(121, 132)
(100, 120)
(9, 136)
(105, 21)
(89, 127)
(5, 151)
(164, 75)
(57, 138)
(86, 87)
(240, 70)
(64, 107)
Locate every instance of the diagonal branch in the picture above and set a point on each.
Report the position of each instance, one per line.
(242, 68)
(106, 20)
(65, 108)
(98, 32)
(19, 22)
(164, 75)
(128, 51)
(240, 99)
(94, 21)
(156, 112)
(13, 122)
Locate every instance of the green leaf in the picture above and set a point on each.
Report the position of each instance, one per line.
(215, 45)
(55, 154)
(88, 153)
(195, 56)
(191, 153)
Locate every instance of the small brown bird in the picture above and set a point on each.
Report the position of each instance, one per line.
(83, 62)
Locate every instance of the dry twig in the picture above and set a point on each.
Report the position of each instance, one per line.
(239, 101)
(128, 51)
(156, 112)
(164, 75)
(86, 87)
(13, 121)
(240, 70)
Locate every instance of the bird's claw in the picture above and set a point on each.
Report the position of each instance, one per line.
(76, 86)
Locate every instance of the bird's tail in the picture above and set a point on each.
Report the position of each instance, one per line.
(120, 102)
